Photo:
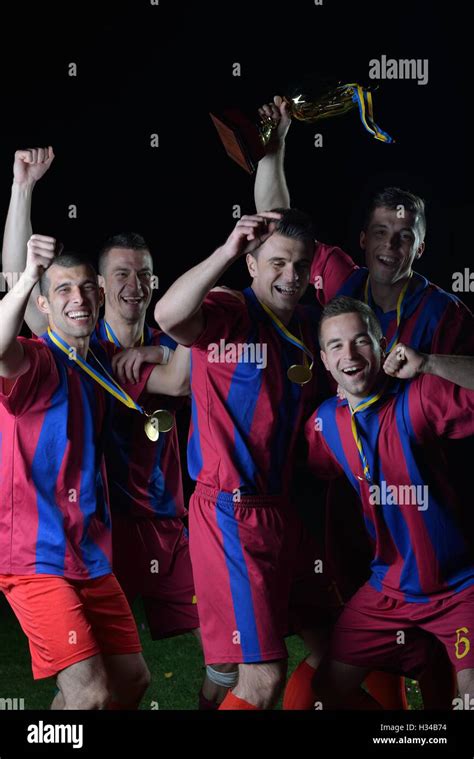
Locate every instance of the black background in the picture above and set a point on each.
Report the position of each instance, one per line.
(145, 69)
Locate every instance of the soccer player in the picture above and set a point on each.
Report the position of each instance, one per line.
(150, 545)
(409, 308)
(251, 379)
(56, 395)
(146, 490)
(385, 437)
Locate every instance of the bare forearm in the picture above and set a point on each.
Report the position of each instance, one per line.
(173, 378)
(12, 311)
(184, 298)
(15, 238)
(177, 372)
(457, 369)
(17, 229)
(271, 190)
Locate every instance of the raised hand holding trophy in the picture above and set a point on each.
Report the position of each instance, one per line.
(245, 141)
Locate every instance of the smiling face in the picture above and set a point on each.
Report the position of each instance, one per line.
(126, 281)
(351, 353)
(391, 245)
(280, 272)
(73, 301)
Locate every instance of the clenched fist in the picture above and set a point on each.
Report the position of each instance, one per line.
(40, 255)
(31, 164)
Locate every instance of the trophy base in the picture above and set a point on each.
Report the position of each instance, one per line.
(240, 137)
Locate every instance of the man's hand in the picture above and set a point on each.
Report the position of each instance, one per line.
(250, 232)
(30, 165)
(278, 112)
(404, 362)
(127, 363)
(40, 255)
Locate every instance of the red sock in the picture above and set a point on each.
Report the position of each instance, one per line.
(234, 702)
(387, 689)
(299, 693)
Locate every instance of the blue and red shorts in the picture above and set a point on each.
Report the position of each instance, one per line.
(254, 573)
(380, 632)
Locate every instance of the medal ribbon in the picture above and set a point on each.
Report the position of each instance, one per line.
(400, 304)
(355, 432)
(107, 383)
(287, 335)
(112, 337)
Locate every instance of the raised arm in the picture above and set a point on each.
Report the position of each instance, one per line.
(271, 190)
(40, 254)
(28, 167)
(179, 311)
(406, 363)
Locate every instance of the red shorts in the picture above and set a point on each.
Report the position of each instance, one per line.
(151, 559)
(67, 621)
(247, 574)
(315, 600)
(368, 632)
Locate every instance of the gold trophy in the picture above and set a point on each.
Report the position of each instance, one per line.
(245, 142)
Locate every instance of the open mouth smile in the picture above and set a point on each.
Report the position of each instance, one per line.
(79, 315)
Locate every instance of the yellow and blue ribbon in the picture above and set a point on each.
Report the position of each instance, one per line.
(286, 334)
(112, 337)
(363, 98)
(107, 382)
(400, 305)
(355, 432)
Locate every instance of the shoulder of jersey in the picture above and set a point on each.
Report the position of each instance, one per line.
(229, 291)
(447, 295)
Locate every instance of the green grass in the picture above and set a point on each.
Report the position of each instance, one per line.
(175, 664)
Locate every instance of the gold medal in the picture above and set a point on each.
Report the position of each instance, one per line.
(299, 374)
(159, 421)
(165, 419)
(151, 429)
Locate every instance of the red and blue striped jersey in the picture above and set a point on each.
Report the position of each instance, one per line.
(422, 548)
(246, 413)
(54, 511)
(433, 321)
(145, 478)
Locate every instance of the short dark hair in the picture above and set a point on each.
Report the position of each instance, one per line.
(131, 240)
(294, 224)
(66, 261)
(343, 304)
(393, 197)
